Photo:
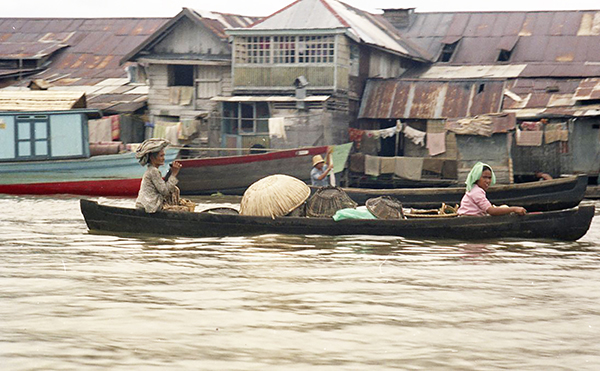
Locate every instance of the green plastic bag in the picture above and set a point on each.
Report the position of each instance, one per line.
(360, 212)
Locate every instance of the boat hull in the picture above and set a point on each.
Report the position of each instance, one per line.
(567, 225)
(556, 194)
(234, 174)
(107, 175)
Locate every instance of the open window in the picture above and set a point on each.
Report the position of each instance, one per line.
(506, 46)
(180, 75)
(449, 46)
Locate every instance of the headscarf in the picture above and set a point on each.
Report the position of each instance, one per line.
(149, 146)
(475, 174)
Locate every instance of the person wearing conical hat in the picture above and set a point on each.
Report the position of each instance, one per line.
(475, 201)
(319, 175)
(154, 189)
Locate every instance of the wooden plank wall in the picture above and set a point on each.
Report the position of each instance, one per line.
(211, 81)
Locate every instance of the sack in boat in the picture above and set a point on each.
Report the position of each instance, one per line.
(327, 201)
(275, 195)
(385, 207)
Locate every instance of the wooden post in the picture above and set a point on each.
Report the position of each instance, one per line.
(398, 130)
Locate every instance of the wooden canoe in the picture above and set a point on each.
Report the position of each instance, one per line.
(555, 194)
(568, 225)
(233, 174)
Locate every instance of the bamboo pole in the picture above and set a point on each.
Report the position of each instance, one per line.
(229, 149)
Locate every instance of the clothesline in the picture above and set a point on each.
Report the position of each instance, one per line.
(436, 142)
(228, 149)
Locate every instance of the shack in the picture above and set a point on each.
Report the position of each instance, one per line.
(542, 67)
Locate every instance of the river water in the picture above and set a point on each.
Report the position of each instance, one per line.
(72, 300)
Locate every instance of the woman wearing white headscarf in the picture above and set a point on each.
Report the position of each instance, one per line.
(154, 189)
(475, 201)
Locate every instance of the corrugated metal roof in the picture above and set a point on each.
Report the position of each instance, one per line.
(440, 71)
(530, 98)
(219, 22)
(588, 89)
(40, 100)
(332, 14)
(90, 50)
(538, 93)
(553, 43)
(400, 98)
(28, 50)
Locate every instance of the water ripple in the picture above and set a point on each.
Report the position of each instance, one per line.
(73, 300)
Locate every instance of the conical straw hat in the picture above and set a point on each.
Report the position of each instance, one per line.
(275, 195)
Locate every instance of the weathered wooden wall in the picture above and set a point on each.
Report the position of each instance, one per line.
(490, 150)
(210, 81)
(584, 145)
(188, 38)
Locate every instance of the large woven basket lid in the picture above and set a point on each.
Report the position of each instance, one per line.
(385, 207)
(327, 200)
(275, 195)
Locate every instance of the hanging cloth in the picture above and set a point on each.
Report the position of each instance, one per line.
(415, 136)
(409, 167)
(277, 127)
(387, 133)
(372, 165)
(436, 143)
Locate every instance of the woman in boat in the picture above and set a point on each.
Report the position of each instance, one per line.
(155, 191)
(319, 175)
(475, 201)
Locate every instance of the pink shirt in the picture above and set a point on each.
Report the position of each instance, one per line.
(474, 202)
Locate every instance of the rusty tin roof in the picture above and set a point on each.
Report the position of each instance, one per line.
(304, 16)
(422, 99)
(76, 54)
(548, 43)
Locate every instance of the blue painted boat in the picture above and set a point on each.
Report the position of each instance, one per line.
(48, 153)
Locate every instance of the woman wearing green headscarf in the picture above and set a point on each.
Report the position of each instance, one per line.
(475, 201)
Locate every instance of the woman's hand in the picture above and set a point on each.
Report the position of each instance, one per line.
(519, 210)
(175, 168)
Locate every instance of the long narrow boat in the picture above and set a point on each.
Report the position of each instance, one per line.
(233, 174)
(569, 225)
(555, 194)
(105, 175)
(48, 152)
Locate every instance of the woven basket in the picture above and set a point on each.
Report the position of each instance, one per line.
(326, 201)
(385, 207)
(446, 211)
(275, 195)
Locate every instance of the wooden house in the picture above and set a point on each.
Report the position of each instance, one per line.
(298, 74)
(188, 62)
